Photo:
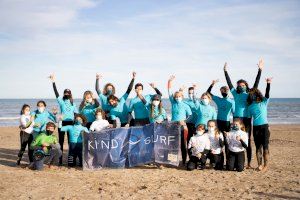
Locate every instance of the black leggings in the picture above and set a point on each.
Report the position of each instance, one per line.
(261, 136)
(25, 139)
(192, 130)
(224, 126)
(236, 160)
(141, 122)
(61, 137)
(194, 161)
(183, 147)
(217, 159)
(248, 126)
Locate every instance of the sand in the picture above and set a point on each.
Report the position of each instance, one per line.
(281, 181)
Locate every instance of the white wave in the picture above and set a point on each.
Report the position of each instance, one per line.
(9, 118)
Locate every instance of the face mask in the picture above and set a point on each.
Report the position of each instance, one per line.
(224, 94)
(109, 92)
(41, 109)
(178, 99)
(199, 132)
(241, 89)
(205, 101)
(77, 122)
(254, 97)
(49, 132)
(211, 129)
(99, 117)
(67, 96)
(235, 128)
(155, 102)
(89, 100)
(27, 113)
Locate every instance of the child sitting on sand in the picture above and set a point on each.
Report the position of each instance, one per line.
(100, 123)
(198, 148)
(46, 148)
(26, 127)
(216, 144)
(237, 141)
(75, 145)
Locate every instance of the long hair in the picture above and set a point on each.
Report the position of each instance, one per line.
(245, 82)
(208, 95)
(71, 96)
(99, 110)
(105, 92)
(240, 121)
(254, 95)
(88, 92)
(23, 108)
(216, 129)
(152, 109)
(84, 120)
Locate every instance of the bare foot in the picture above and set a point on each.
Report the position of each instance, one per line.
(259, 168)
(249, 166)
(53, 167)
(264, 169)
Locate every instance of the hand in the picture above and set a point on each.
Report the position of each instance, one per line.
(45, 144)
(182, 88)
(133, 74)
(182, 123)
(127, 125)
(110, 126)
(171, 78)
(260, 64)
(152, 85)
(159, 121)
(45, 149)
(238, 138)
(98, 76)
(37, 125)
(54, 110)
(52, 77)
(215, 81)
(269, 80)
(225, 66)
(199, 155)
(195, 85)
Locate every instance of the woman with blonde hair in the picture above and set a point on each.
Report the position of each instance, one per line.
(88, 107)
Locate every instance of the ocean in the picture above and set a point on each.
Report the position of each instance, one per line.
(280, 110)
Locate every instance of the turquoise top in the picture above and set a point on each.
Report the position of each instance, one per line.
(121, 110)
(259, 112)
(205, 113)
(89, 111)
(41, 119)
(241, 107)
(67, 109)
(156, 117)
(75, 131)
(137, 106)
(180, 110)
(104, 103)
(192, 105)
(225, 107)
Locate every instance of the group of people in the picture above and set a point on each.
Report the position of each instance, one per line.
(206, 133)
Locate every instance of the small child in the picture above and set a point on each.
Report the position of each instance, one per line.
(75, 145)
(216, 144)
(100, 123)
(237, 141)
(198, 148)
(26, 127)
(46, 148)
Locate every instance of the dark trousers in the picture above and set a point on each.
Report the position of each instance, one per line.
(61, 137)
(25, 139)
(195, 161)
(141, 122)
(248, 126)
(236, 160)
(51, 158)
(217, 159)
(88, 125)
(224, 126)
(261, 135)
(192, 131)
(183, 146)
(75, 151)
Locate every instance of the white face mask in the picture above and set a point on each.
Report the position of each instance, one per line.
(89, 100)
(205, 101)
(178, 99)
(99, 117)
(155, 103)
(27, 113)
(41, 109)
(211, 129)
(199, 132)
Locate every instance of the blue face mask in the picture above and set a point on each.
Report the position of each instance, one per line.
(242, 89)
(254, 97)
(109, 92)
(77, 122)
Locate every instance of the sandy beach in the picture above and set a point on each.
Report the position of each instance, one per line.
(281, 181)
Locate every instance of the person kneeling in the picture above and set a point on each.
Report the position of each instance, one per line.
(46, 148)
(198, 148)
(237, 142)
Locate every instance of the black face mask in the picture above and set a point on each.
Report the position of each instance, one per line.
(49, 132)
(224, 94)
(67, 96)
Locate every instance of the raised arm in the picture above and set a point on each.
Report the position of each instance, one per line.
(269, 80)
(98, 76)
(211, 86)
(156, 90)
(260, 67)
(170, 85)
(131, 83)
(229, 83)
(52, 78)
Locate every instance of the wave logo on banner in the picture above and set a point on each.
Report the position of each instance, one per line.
(134, 146)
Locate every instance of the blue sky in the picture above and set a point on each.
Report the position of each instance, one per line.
(75, 39)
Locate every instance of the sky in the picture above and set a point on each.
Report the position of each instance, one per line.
(191, 39)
